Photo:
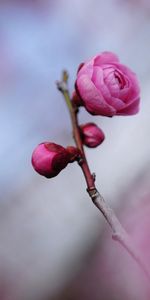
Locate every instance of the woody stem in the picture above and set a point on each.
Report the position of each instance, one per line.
(119, 233)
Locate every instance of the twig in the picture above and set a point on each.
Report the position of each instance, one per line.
(119, 233)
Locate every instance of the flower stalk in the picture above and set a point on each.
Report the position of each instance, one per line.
(119, 234)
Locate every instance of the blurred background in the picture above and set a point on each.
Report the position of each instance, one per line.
(54, 244)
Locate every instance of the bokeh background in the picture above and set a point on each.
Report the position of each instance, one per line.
(54, 244)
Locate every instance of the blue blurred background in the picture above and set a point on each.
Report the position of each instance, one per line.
(49, 228)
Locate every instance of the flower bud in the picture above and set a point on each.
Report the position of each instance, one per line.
(48, 159)
(92, 135)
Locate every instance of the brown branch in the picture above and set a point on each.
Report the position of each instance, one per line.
(119, 233)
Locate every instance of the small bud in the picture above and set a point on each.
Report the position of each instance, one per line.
(74, 153)
(92, 135)
(48, 159)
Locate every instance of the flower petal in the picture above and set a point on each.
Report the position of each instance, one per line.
(92, 97)
(107, 93)
(86, 68)
(131, 109)
(134, 89)
(105, 57)
(117, 103)
(98, 80)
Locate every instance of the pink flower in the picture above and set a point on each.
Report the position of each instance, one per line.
(107, 87)
(92, 135)
(48, 159)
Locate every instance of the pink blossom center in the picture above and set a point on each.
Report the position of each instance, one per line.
(120, 79)
(114, 78)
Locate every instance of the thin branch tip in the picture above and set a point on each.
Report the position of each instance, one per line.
(65, 76)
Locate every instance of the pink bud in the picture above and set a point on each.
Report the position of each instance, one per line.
(92, 135)
(48, 159)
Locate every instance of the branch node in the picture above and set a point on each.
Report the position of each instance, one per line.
(62, 86)
(94, 176)
(80, 160)
(93, 193)
(116, 236)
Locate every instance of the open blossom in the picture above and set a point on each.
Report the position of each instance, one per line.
(106, 87)
(48, 159)
(92, 136)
